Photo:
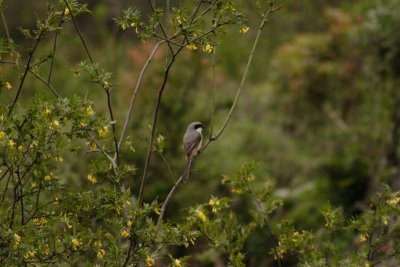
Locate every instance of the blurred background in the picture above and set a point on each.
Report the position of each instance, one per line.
(319, 114)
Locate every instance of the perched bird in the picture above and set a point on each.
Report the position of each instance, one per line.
(191, 143)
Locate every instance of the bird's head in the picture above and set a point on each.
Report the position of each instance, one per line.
(196, 126)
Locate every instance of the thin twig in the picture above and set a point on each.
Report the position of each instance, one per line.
(168, 40)
(6, 186)
(244, 77)
(27, 67)
(5, 27)
(110, 159)
(135, 90)
(194, 13)
(54, 49)
(78, 31)
(21, 199)
(53, 90)
(153, 126)
(116, 161)
(205, 11)
(128, 256)
(46, 83)
(167, 200)
(161, 27)
(274, 243)
(167, 163)
(167, 16)
(212, 94)
(210, 31)
(113, 125)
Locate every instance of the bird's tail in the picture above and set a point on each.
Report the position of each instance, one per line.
(186, 169)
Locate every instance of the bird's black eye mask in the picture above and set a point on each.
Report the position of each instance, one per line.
(197, 126)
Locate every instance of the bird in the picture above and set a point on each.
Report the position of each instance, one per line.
(191, 143)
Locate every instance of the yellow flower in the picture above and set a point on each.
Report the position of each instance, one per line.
(385, 220)
(215, 205)
(76, 243)
(93, 146)
(177, 263)
(129, 223)
(89, 110)
(100, 254)
(106, 85)
(180, 19)
(201, 216)
(125, 234)
(56, 123)
(103, 132)
(40, 221)
(236, 190)
(34, 184)
(393, 202)
(2, 135)
(20, 148)
(244, 29)
(66, 11)
(92, 178)
(213, 202)
(33, 144)
(59, 159)
(17, 239)
(124, 25)
(249, 178)
(191, 46)
(208, 48)
(150, 261)
(2, 118)
(29, 254)
(46, 249)
(47, 111)
(7, 85)
(11, 143)
(47, 177)
(157, 210)
(363, 237)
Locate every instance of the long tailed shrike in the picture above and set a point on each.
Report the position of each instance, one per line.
(191, 143)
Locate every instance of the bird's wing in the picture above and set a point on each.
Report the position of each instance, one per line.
(191, 141)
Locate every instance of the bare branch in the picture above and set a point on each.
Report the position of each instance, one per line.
(27, 67)
(244, 77)
(53, 90)
(161, 27)
(167, 200)
(212, 94)
(110, 159)
(116, 157)
(54, 50)
(107, 89)
(78, 31)
(46, 83)
(5, 26)
(135, 90)
(153, 127)
(205, 11)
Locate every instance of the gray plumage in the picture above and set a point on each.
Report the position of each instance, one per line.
(191, 144)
